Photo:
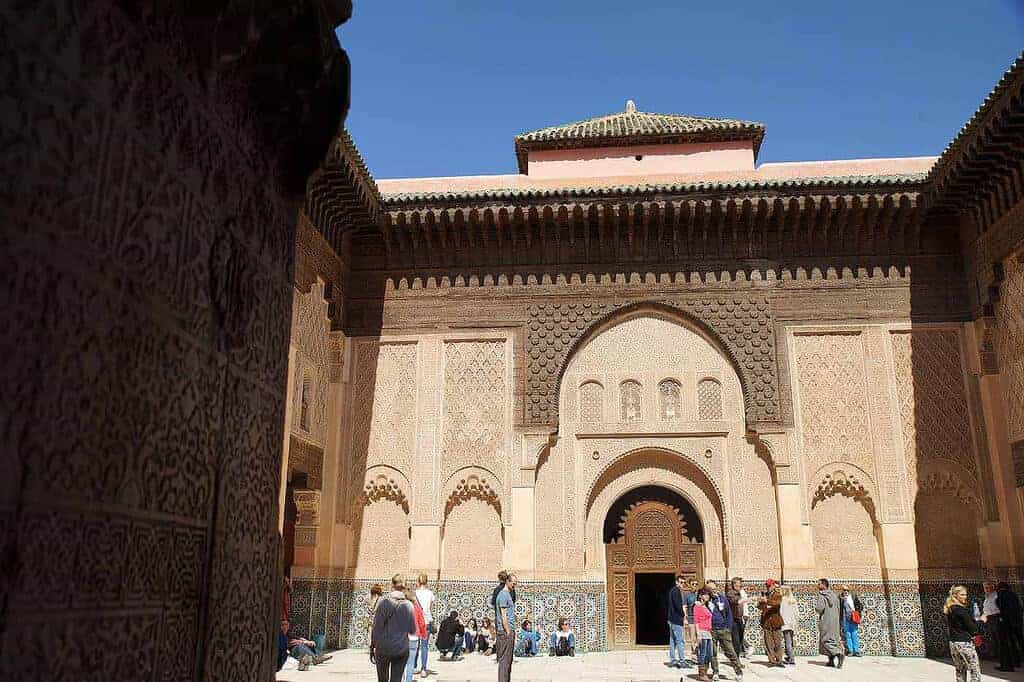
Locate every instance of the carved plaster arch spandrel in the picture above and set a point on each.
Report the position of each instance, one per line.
(953, 481)
(845, 479)
(657, 466)
(710, 515)
(739, 324)
(383, 482)
(472, 483)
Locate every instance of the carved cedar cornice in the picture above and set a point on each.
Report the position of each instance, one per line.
(639, 229)
(341, 195)
(981, 172)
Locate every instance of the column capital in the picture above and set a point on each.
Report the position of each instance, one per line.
(531, 445)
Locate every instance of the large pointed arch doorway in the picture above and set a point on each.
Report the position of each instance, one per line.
(651, 534)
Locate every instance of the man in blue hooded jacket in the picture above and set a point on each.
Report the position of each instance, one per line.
(721, 630)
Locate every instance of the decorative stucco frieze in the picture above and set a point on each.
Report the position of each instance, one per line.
(741, 323)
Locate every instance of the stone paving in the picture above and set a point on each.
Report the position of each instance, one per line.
(648, 664)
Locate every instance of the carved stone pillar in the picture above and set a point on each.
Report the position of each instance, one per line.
(797, 543)
(289, 399)
(1003, 535)
(307, 526)
(520, 543)
(326, 550)
(898, 544)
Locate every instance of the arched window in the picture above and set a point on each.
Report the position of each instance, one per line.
(629, 400)
(305, 397)
(591, 402)
(709, 400)
(669, 394)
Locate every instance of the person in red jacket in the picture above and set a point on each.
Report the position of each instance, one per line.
(417, 640)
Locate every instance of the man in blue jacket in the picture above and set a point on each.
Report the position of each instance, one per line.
(676, 623)
(721, 630)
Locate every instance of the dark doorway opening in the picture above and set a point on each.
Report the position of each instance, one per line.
(651, 600)
(653, 493)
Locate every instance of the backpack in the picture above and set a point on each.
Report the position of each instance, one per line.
(562, 646)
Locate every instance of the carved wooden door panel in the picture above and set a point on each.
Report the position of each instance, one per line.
(620, 597)
(652, 539)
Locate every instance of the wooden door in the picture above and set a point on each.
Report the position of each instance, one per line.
(652, 538)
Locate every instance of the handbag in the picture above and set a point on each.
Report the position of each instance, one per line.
(855, 617)
(978, 641)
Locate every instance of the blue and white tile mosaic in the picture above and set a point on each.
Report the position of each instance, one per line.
(901, 618)
(346, 625)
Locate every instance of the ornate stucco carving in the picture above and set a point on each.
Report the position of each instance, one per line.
(741, 322)
(380, 514)
(311, 371)
(894, 498)
(947, 512)
(832, 393)
(648, 473)
(307, 524)
(843, 479)
(1009, 343)
(932, 400)
(476, 418)
(384, 487)
(384, 407)
(306, 458)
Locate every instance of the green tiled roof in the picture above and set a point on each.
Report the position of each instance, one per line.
(636, 127)
(396, 200)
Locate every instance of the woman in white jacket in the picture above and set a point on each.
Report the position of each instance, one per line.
(790, 612)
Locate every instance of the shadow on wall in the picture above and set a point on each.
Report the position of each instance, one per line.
(153, 167)
(945, 450)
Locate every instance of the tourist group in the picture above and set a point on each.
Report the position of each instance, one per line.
(402, 623)
(710, 619)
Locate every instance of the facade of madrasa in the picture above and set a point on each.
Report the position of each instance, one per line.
(646, 353)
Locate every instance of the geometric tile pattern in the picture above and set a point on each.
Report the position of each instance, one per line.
(901, 618)
(337, 607)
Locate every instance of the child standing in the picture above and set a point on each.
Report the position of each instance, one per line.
(702, 619)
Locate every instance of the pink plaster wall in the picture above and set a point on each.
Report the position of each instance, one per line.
(656, 160)
(764, 173)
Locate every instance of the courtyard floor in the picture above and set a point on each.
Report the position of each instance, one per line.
(649, 664)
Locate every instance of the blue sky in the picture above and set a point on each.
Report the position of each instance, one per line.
(441, 87)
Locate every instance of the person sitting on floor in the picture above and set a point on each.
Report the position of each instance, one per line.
(527, 640)
(282, 645)
(485, 637)
(470, 636)
(562, 641)
(450, 636)
(305, 651)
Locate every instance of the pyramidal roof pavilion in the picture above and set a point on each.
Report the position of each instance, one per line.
(632, 151)
(632, 127)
